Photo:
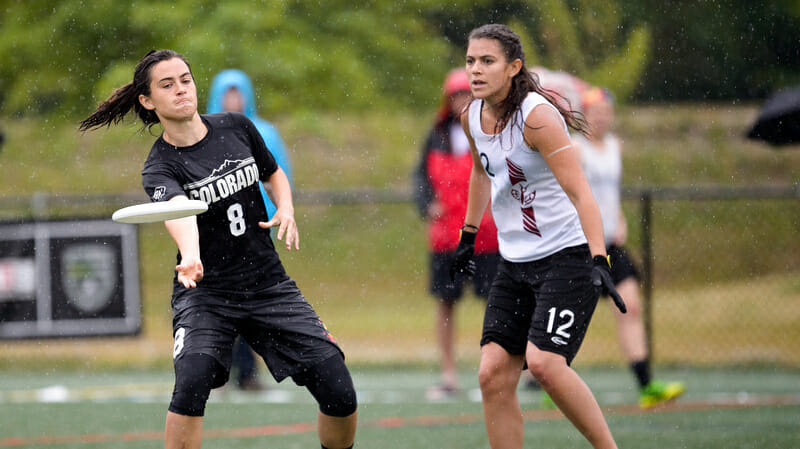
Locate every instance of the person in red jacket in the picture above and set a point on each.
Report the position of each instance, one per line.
(441, 185)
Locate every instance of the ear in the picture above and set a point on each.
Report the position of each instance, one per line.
(515, 67)
(144, 100)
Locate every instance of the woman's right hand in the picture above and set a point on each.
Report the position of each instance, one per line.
(190, 272)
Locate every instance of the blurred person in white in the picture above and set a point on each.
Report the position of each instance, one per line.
(232, 91)
(601, 159)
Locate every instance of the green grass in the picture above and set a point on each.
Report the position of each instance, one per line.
(722, 268)
(722, 407)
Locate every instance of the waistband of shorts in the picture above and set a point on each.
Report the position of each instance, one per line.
(579, 250)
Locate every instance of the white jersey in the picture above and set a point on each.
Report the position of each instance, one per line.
(602, 165)
(534, 216)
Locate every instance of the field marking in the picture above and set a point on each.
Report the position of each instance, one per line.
(730, 403)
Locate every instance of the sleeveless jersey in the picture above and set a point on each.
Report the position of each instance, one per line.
(603, 169)
(533, 214)
(223, 169)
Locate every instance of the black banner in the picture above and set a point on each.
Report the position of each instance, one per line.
(69, 278)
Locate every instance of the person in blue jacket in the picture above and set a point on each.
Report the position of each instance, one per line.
(232, 91)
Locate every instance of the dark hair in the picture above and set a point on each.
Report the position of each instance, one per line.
(125, 98)
(524, 81)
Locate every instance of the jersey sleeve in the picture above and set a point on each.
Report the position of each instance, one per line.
(264, 159)
(160, 182)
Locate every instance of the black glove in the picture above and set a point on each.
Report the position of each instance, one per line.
(462, 260)
(601, 278)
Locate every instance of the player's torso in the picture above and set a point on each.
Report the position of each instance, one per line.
(534, 217)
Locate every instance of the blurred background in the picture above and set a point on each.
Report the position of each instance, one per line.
(713, 214)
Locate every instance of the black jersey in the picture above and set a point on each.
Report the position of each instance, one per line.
(223, 169)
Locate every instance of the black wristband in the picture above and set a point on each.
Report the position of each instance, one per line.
(468, 237)
(469, 226)
(602, 260)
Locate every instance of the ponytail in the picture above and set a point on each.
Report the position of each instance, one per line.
(116, 107)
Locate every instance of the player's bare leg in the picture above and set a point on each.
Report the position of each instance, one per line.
(445, 327)
(571, 395)
(183, 432)
(630, 326)
(498, 376)
(335, 432)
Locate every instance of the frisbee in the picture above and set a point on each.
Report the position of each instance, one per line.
(152, 212)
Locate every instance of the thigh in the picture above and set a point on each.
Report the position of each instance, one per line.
(622, 266)
(508, 312)
(284, 329)
(442, 286)
(485, 272)
(202, 325)
(565, 303)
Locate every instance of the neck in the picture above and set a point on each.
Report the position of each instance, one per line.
(595, 138)
(184, 133)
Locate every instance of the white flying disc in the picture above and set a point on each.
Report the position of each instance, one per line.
(151, 212)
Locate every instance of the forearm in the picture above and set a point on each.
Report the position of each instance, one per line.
(279, 191)
(480, 191)
(185, 234)
(591, 222)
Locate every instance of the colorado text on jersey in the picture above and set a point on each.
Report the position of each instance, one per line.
(229, 178)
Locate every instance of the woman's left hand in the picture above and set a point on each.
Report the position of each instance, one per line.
(287, 228)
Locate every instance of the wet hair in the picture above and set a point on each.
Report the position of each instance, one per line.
(125, 98)
(524, 81)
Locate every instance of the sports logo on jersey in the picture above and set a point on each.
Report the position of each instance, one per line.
(227, 179)
(520, 191)
(159, 193)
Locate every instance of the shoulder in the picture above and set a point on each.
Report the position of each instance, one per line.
(227, 120)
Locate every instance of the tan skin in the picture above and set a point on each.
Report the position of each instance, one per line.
(490, 77)
(173, 97)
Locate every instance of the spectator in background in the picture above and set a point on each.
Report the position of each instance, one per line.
(601, 158)
(441, 183)
(232, 91)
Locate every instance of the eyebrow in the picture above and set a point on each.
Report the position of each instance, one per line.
(179, 76)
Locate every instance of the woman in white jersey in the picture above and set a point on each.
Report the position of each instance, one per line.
(601, 158)
(550, 236)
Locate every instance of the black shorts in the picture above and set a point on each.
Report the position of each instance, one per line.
(447, 290)
(622, 266)
(548, 302)
(278, 323)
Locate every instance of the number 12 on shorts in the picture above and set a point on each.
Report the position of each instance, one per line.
(565, 320)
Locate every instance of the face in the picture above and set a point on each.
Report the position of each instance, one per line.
(173, 95)
(600, 116)
(233, 100)
(488, 71)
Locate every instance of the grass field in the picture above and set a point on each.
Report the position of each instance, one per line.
(729, 408)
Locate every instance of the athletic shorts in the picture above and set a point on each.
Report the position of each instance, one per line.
(548, 302)
(278, 323)
(447, 290)
(622, 266)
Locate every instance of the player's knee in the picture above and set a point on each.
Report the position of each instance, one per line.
(331, 385)
(195, 376)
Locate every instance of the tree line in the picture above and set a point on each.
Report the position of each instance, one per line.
(62, 56)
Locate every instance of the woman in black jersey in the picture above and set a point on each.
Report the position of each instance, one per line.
(229, 279)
